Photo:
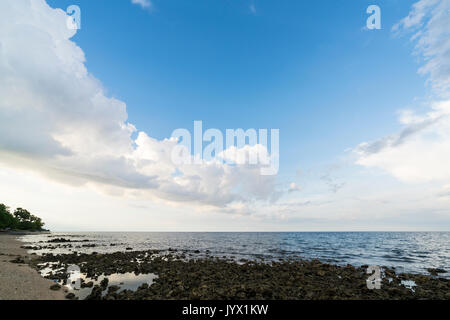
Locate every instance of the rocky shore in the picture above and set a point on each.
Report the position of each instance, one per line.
(181, 275)
(17, 280)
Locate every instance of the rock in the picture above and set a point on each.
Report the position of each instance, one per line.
(55, 287)
(88, 245)
(89, 284)
(213, 278)
(143, 286)
(71, 296)
(104, 283)
(112, 289)
(435, 271)
(18, 260)
(96, 293)
(58, 240)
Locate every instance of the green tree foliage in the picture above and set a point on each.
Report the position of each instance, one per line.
(6, 218)
(21, 219)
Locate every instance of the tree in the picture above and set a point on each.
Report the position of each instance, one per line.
(7, 220)
(21, 219)
(27, 221)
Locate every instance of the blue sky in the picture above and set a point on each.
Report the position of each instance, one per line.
(307, 68)
(362, 114)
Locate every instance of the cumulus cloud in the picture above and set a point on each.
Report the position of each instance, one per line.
(420, 152)
(57, 120)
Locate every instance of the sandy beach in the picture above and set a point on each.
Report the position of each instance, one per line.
(17, 280)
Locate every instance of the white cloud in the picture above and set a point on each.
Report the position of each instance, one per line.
(430, 21)
(145, 4)
(57, 120)
(421, 151)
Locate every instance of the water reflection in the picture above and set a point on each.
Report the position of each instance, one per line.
(125, 281)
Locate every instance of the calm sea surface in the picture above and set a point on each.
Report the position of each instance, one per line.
(407, 251)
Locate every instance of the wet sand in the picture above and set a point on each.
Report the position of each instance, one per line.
(17, 280)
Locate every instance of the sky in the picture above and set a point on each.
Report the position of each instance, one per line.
(87, 114)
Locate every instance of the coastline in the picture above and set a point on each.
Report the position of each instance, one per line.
(18, 281)
(180, 274)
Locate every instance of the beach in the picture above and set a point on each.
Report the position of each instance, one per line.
(114, 270)
(18, 281)
(174, 266)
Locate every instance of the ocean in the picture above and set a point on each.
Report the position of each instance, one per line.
(411, 252)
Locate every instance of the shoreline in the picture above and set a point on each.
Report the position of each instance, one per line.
(181, 275)
(211, 278)
(18, 281)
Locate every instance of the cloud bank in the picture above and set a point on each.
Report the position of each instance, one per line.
(57, 120)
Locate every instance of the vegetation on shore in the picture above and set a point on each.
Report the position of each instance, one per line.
(20, 219)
